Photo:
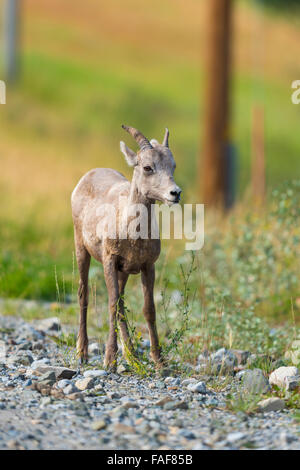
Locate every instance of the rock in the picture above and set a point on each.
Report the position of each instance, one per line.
(86, 383)
(42, 415)
(176, 381)
(2, 350)
(212, 402)
(241, 356)
(75, 396)
(25, 345)
(49, 325)
(292, 383)
(41, 362)
(22, 357)
(113, 395)
(44, 389)
(45, 401)
(143, 426)
(63, 383)
(286, 438)
(200, 446)
(14, 444)
(37, 346)
(69, 389)
(255, 382)
(94, 349)
(186, 382)
(99, 424)
(163, 401)
(29, 333)
(128, 404)
(120, 428)
(60, 372)
(240, 374)
(169, 380)
(172, 381)
(176, 405)
(278, 376)
(49, 378)
(160, 385)
(57, 393)
(95, 373)
(80, 409)
(186, 434)
(118, 411)
(122, 368)
(271, 404)
(235, 437)
(223, 361)
(125, 399)
(198, 387)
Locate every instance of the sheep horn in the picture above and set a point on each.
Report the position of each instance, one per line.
(166, 138)
(139, 137)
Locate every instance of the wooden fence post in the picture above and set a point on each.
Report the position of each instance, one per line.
(258, 177)
(217, 106)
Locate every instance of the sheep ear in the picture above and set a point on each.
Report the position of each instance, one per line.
(154, 142)
(130, 155)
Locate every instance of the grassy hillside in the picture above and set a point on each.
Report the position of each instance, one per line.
(87, 68)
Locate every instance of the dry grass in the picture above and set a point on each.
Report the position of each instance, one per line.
(266, 44)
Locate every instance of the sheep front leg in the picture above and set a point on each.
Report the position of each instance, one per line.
(148, 278)
(111, 280)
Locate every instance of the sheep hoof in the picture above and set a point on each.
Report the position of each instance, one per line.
(159, 363)
(110, 363)
(82, 361)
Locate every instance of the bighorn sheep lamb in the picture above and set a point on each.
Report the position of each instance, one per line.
(152, 181)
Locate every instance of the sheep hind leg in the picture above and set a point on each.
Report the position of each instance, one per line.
(83, 261)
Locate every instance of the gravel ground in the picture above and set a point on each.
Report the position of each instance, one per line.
(46, 405)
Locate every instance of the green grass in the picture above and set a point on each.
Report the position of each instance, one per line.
(243, 403)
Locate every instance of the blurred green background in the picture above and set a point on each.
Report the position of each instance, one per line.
(86, 68)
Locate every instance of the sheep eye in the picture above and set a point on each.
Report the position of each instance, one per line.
(147, 169)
